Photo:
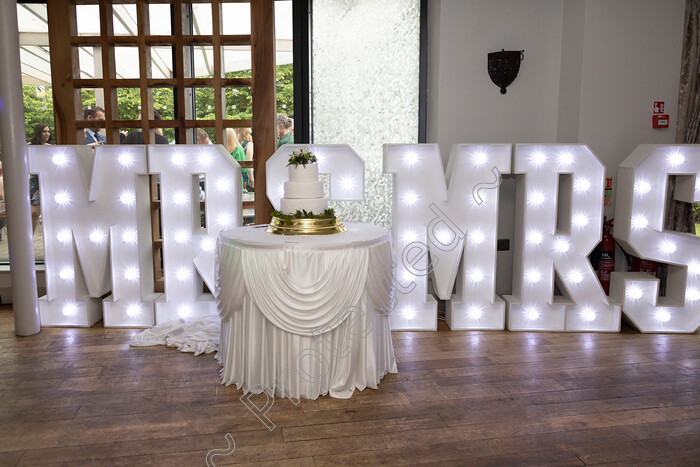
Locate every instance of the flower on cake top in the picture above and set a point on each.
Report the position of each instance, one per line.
(301, 156)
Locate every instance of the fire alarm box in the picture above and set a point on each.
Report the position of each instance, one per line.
(660, 121)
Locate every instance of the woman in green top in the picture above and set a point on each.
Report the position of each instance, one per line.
(245, 138)
(237, 152)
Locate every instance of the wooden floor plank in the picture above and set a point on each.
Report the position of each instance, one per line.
(84, 397)
(662, 429)
(645, 451)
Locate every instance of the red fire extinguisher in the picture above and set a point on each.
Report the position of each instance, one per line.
(644, 265)
(606, 261)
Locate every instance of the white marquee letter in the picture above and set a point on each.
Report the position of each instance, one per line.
(81, 232)
(426, 212)
(639, 227)
(189, 248)
(558, 236)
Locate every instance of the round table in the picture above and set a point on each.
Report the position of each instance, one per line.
(303, 316)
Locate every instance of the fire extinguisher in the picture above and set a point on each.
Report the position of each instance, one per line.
(644, 265)
(606, 259)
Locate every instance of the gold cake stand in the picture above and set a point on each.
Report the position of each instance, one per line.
(306, 226)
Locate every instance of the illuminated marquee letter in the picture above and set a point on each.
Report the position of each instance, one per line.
(87, 220)
(345, 167)
(639, 227)
(188, 247)
(430, 217)
(558, 222)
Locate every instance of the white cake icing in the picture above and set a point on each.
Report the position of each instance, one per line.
(303, 191)
(303, 173)
(315, 205)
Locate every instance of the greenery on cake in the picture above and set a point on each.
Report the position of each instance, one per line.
(301, 156)
(303, 214)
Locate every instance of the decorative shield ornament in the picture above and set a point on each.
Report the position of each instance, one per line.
(504, 66)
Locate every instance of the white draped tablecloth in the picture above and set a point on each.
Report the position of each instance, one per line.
(303, 316)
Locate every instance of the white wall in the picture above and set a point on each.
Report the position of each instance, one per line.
(591, 71)
(470, 108)
(631, 57)
(569, 105)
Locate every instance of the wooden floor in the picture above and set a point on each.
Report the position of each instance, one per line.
(84, 397)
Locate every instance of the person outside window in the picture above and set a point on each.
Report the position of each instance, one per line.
(42, 136)
(136, 136)
(92, 137)
(202, 137)
(246, 140)
(238, 153)
(284, 130)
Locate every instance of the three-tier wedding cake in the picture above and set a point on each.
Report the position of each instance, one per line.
(303, 208)
(303, 191)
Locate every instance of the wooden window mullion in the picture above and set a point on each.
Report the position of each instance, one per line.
(143, 28)
(262, 13)
(219, 95)
(179, 70)
(108, 70)
(62, 63)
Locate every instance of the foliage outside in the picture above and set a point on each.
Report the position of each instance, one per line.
(38, 108)
(38, 102)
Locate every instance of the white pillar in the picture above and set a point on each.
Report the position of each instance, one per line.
(15, 172)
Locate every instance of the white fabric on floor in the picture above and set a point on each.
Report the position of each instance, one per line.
(305, 316)
(200, 336)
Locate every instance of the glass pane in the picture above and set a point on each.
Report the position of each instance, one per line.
(235, 18)
(204, 104)
(239, 103)
(284, 59)
(124, 17)
(164, 102)
(35, 63)
(203, 56)
(285, 90)
(283, 33)
(159, 18)
(162, 62)
(88, 20)
(201, 19)
(128, 104)
(89, 62)
(32, 17)
(237, 61)
(126, 60)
